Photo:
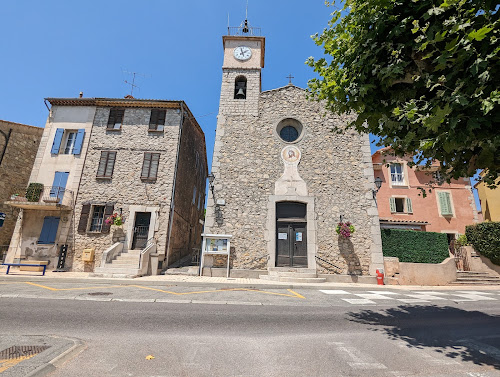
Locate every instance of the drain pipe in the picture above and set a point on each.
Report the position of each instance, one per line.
(172, 200)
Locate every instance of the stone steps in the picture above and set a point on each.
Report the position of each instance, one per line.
(292, 275)
(124, 265)
(476, 278)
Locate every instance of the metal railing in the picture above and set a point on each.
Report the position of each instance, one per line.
(45, 194)
(146, 250)
(331, 264)
(244, 31)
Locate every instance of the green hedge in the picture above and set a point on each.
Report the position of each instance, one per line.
(485, 238)
(415, 247)
(33, 192)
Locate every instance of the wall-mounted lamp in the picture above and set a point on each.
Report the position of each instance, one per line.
(378, 185)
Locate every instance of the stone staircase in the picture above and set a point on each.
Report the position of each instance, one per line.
(476, 278)
(292, 275)
(125, 265)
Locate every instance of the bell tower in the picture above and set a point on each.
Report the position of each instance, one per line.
(244, 51)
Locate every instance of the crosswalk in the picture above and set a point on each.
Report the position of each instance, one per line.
(409, 297)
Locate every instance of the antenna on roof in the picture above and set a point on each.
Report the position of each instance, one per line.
(132, 84)
(246, 12)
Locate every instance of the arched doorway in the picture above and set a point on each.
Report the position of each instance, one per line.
(291, 234)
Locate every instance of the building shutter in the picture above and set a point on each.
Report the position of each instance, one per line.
(49, 230)
(409, 205)
(155, 160)
(445, 203)
(146, 165)
(108, 211)
(153, 121)
(110, 165)
(392, 204)
(56, 145)
(79, 141)
(84, 218)
(59, 184)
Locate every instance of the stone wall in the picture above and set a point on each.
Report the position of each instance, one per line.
(337, 170)
(15, 169)
(126, 189)
(189, 202)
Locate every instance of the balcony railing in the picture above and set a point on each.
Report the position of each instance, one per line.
(244, 31)
(42, 197)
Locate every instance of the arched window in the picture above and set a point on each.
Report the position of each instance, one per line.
(240, 87)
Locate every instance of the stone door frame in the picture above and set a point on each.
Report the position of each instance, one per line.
(153, 223)
(270, 233)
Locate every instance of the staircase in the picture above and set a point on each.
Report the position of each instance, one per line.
(476, 278)
(292, 275)
(125, 265)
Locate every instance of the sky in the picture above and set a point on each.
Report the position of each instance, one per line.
(59, 48)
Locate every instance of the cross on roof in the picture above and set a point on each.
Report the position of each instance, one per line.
(290, 77)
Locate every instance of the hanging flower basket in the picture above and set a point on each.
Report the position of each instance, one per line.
(114, 219)
(345, 230)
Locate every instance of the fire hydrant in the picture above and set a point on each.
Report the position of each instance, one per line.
(380, 277)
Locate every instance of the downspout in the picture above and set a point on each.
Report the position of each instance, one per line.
(7, 137)
(172, 200)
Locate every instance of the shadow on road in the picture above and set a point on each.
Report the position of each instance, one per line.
(459, 334)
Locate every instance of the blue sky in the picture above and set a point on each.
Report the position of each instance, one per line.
(57, 48)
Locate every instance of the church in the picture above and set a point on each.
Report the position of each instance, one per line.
(282, 181)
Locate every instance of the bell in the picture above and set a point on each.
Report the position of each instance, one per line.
(240, 94)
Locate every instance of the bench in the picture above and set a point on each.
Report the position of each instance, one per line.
(41, 264)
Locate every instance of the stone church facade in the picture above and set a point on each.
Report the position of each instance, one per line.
(283, 179)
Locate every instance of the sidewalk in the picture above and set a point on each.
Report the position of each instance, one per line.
(206, 281)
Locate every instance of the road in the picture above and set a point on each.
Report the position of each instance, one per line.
(196, 331)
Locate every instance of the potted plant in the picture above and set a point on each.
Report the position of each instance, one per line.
(34, 191)
(345, 230)
(115, 219)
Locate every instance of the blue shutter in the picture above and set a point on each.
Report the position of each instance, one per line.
(49, 230)
(79, 141)
(59, 184)
(57, 141)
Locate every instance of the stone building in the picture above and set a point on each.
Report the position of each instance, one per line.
(142, 160)
(283, 180)
(18, 146)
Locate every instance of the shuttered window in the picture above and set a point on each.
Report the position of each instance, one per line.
(409, 205)
(149, 170)
(84, 218)
(115, 119)
(106, 164)
(56, 144)
(392, 203)
(445, 203)
(97, 219)
(49, 230)
(157, 120)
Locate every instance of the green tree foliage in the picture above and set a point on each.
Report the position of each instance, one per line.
(422, 75)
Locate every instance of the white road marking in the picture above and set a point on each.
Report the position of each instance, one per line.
(425, 297)
(429, 359)
(476, 292)
(473, 297)
(358, 359)
(430, 293)
(412, 300)
(384, 292)
(334, 292)
(375, 296)
(358, 301)
(482, 347)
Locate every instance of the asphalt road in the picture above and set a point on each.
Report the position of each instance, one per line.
(318, 335)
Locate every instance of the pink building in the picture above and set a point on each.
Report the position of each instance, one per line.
(446, 209)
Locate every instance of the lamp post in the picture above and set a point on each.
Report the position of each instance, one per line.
(218, 213)
(378, 185)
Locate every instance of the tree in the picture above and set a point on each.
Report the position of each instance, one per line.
(422, 75)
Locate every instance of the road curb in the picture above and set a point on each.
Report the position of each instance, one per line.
(77, 347)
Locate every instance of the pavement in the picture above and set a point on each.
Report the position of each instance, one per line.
(30, 287)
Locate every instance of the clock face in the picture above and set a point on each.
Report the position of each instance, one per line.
(242, 53)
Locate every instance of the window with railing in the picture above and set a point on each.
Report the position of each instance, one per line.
(397, 175)
(97, 219)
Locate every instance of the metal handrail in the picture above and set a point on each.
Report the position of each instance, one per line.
(324, 261)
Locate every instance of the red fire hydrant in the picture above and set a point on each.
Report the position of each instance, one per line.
(380, 277)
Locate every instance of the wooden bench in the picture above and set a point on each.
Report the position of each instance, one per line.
(38, 264)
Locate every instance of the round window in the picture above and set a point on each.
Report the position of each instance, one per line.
(289, 130)
(289, 134)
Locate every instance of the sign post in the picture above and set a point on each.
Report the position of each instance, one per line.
(215, 244)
